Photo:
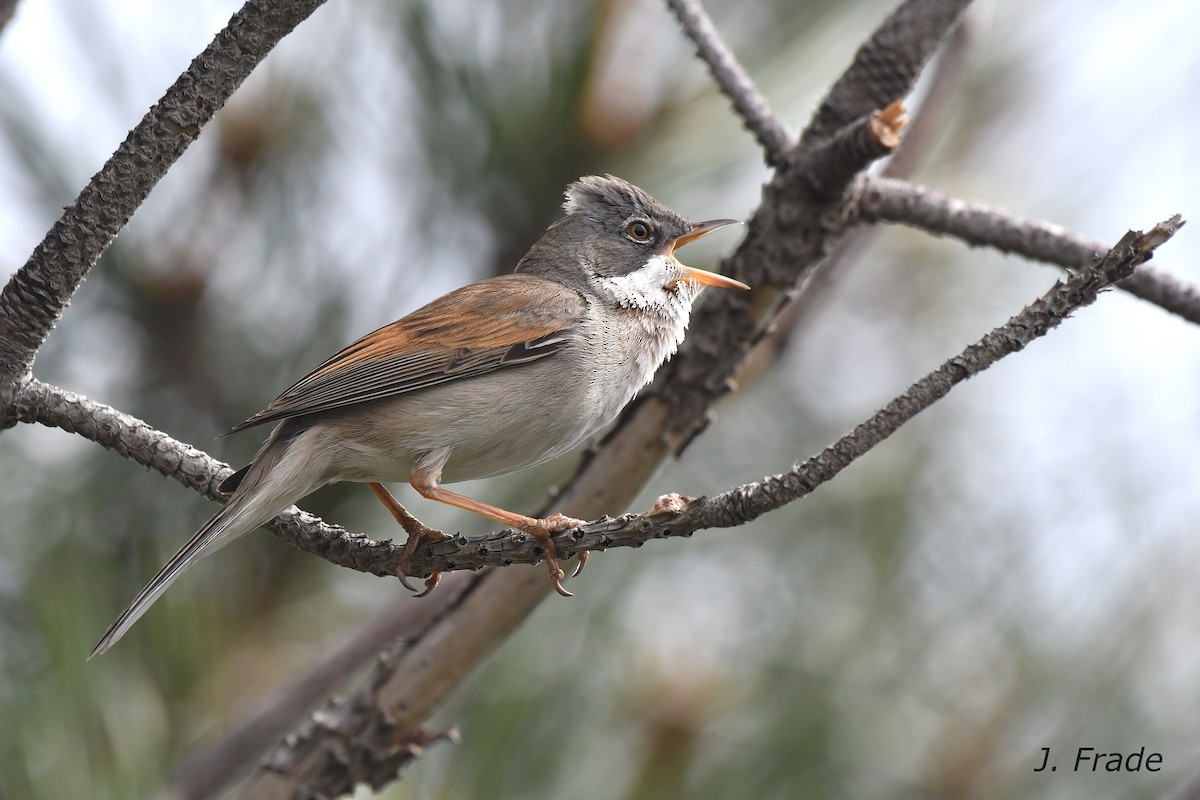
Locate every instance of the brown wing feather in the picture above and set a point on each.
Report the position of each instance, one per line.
(482, 327)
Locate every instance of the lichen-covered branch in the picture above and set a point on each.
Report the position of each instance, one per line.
(887, 64)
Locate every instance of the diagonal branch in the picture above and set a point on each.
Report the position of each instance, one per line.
(205, 772)
(37, 295)
(878, 199)
(730, 76)
(745, 503)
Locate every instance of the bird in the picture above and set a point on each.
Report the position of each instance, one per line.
(491, 378)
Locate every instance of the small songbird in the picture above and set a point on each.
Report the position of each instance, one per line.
(491, 378)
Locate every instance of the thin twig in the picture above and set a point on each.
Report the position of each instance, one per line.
(889, 200)
(1080, 289)
(733, 80)
(831, 164)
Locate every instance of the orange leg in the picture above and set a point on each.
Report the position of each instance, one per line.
(417, 532)
(541, 529)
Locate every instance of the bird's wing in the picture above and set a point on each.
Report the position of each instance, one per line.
(480, 328)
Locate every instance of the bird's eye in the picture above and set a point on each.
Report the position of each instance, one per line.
(638, 230)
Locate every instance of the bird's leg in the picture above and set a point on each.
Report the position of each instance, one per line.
(425, 482)
(417, 532)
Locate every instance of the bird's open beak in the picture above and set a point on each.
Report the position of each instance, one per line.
(699, 275)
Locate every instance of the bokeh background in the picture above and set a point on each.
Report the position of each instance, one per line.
(1014, 570)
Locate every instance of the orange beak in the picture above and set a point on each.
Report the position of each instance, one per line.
(699, 275)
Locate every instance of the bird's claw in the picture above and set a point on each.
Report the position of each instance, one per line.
(580, 560)
(556, 576)
(428, 536)
(431, 583)
(543, 532)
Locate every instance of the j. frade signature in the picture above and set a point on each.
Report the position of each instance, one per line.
(1089, 759)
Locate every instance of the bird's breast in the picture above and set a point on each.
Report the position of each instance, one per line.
(625, 347)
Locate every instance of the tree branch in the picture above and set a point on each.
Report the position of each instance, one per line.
(745, 503)
(877, 199)
(35, 297)
(138, 441)
(919, 136)
(206, 772)
(831, 164)
(730, 76)
(801, 215)
(886, 66)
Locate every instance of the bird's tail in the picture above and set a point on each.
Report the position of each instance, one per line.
(268, 488)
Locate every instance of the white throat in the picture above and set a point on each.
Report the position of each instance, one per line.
(658, 320)
(643, 288)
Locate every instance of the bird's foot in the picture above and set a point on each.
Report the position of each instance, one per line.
(543, 530)
(418, 532)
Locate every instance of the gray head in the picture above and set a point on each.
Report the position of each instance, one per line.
(619, 242)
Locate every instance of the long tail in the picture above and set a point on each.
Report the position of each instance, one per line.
(267, 489)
